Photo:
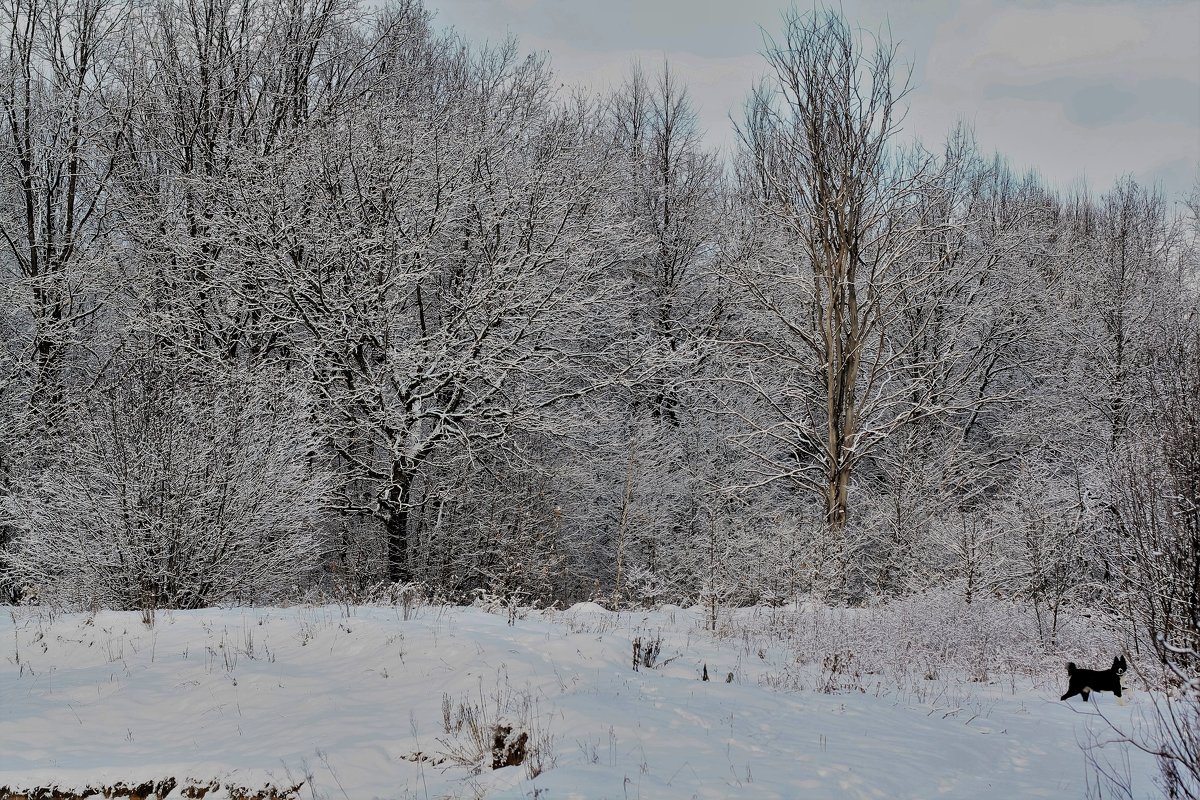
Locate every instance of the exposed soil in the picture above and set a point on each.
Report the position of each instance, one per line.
(193, 790)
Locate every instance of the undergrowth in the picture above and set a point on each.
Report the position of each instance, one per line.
(911, 642)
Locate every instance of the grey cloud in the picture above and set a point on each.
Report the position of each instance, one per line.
(1093, 104)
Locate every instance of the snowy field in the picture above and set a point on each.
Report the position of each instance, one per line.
(388, 702)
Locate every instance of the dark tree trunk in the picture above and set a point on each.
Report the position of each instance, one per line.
(397, 506)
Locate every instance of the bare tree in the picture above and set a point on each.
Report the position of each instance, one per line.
(671, 200)
(61, 119)
(839, 258)
(446, 277)
(668, 192)
(969, 332)
(1159, 500)
(1129, 244)
(1157, 489)
(227, 94)
(61, 116)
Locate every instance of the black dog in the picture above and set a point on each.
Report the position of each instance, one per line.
(1086, 681)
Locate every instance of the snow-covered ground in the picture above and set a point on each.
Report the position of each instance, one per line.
(364, 702)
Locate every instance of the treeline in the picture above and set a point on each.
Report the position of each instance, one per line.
(310, 296)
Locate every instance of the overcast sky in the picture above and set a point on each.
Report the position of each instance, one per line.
(1088, 90)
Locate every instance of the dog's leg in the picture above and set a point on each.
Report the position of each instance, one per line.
(1085, 691)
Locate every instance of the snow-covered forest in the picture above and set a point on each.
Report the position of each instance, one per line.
(316, 301)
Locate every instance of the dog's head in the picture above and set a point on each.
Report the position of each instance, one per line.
(1119, 666)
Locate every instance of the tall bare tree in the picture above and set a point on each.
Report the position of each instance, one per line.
(828, 189)
(61, 120)
(669, 190)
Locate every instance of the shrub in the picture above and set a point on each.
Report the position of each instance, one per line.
(173, 491)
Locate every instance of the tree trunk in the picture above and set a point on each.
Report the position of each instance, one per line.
(397, 507)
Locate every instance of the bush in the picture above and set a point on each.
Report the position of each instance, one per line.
(172, 491)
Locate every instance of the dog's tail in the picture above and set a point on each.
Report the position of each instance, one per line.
(1070, 667)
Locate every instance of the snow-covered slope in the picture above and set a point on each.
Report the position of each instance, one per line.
(356, 702)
